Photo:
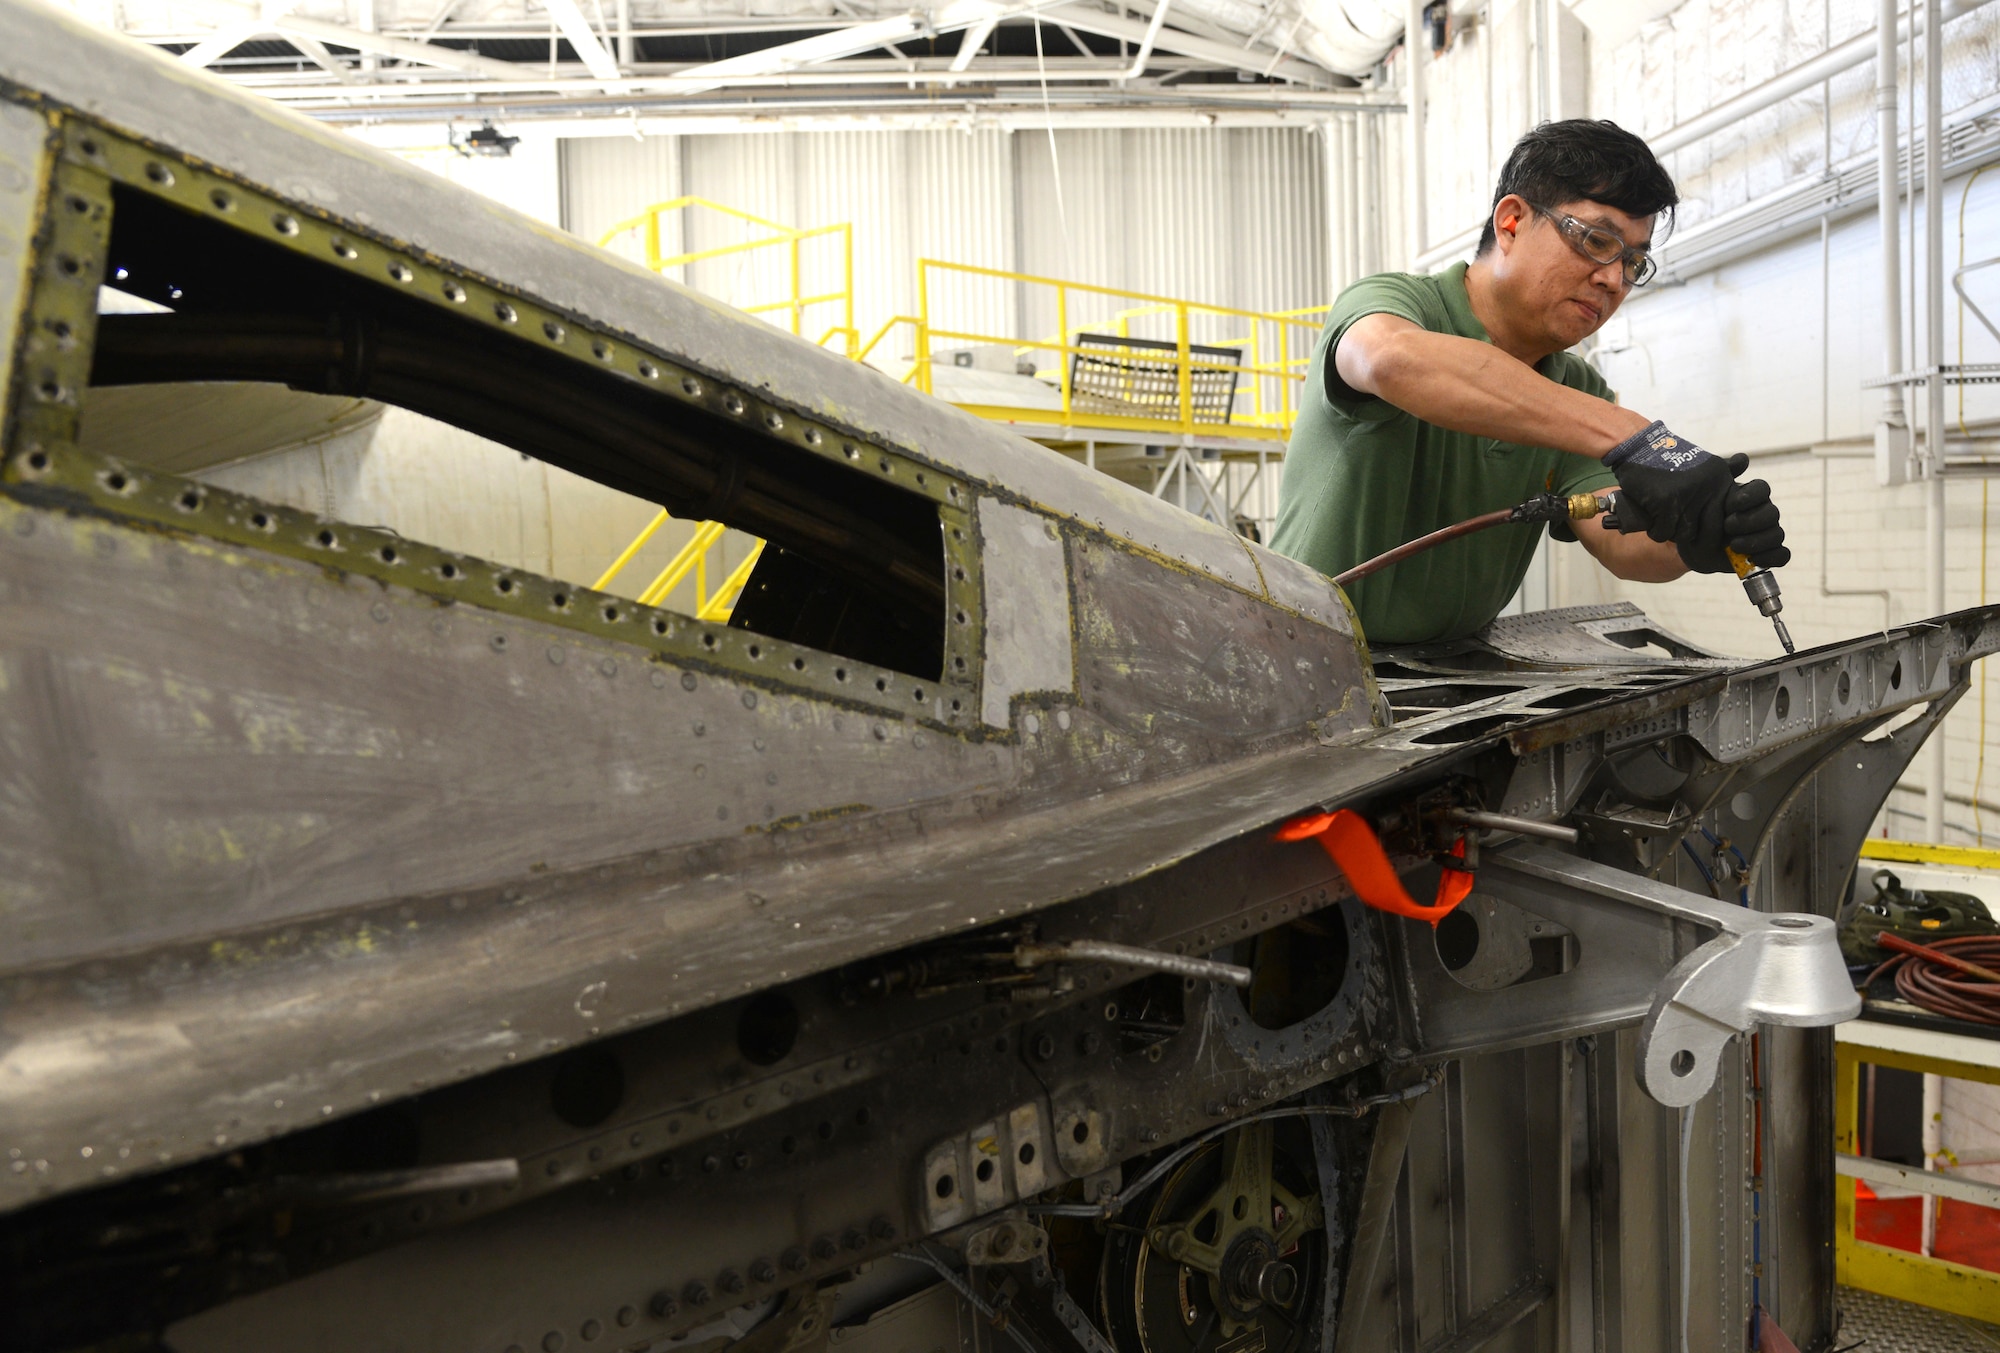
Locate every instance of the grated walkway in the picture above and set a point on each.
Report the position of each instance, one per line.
(1878, 1324)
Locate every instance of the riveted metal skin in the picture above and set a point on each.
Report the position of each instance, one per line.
(680, 956)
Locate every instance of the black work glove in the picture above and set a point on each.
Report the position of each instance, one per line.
(1750, 526)
(1674, 491)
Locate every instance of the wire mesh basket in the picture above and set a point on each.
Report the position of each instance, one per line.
(1122, 376)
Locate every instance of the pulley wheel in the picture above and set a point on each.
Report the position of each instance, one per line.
(1243, 1215)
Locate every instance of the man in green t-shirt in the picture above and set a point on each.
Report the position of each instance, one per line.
(1434, 399)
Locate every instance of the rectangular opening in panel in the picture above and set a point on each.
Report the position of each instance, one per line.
(220, 353)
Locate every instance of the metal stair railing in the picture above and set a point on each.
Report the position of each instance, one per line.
(715, 606)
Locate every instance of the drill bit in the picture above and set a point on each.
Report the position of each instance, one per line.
(1761, 586)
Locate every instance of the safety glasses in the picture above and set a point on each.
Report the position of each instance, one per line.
(1601, 246)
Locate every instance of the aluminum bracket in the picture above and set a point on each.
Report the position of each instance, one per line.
(1691, 971)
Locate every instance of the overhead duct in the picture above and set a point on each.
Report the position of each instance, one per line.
(1347, 36)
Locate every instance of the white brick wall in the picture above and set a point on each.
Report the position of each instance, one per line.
(1970, 1122)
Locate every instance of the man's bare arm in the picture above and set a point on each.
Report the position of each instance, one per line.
(1637, 558)
(1469, 386)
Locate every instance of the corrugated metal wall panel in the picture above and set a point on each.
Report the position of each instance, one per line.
(606, 180)
(1229, 217)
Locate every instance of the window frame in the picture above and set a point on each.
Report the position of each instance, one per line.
(46, 464)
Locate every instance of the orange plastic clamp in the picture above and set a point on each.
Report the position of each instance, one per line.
(1346, 836)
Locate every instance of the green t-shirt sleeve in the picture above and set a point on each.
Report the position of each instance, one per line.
(1391, 293)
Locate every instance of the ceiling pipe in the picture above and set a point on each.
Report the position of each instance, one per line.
(1415, 162)
(665, 87)
(1933, 359)
(1146, 47)
(1842, 57)
(1892, 432)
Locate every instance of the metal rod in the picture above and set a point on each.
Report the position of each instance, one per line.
(1507, 822)
(360, 1186)
(1131, 956)
(1413, 57)
(1917, 1181)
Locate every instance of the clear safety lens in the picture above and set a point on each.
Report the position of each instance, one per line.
(1602, 247)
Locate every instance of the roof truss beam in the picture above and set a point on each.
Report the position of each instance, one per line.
(1258, 61)
(422, 53)
(583, 39)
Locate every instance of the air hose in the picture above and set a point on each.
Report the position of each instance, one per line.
(1946, 977)
(1758, 583)
(1542, 507)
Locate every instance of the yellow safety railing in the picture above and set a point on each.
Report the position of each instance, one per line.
(1938, 1283)
(790, 239)
(793, 306)
(693, 558)
(1279, 348)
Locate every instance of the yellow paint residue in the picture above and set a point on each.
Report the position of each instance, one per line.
(203, 844)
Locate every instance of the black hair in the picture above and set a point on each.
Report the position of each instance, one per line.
(1579, 159)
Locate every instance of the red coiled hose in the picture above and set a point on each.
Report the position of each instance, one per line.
(1936, 977)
